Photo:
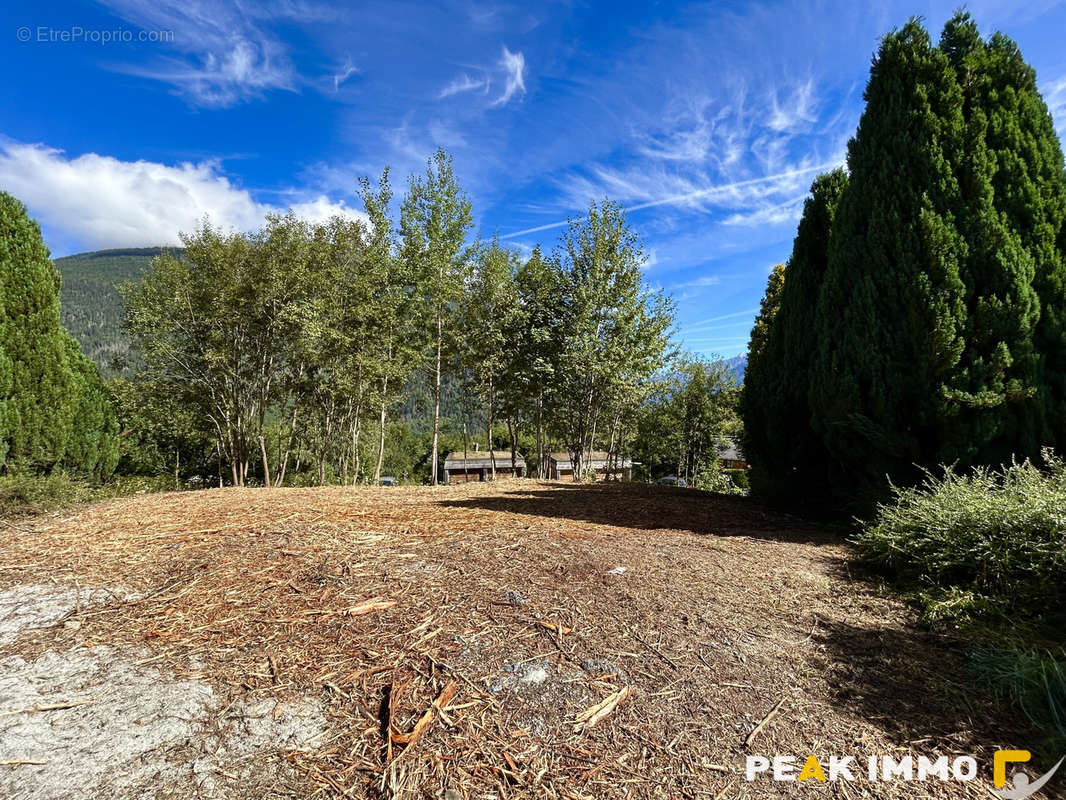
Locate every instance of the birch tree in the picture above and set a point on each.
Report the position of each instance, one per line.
(435, 220)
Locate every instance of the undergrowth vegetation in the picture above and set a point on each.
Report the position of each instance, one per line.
(985, 553)
(28, 494)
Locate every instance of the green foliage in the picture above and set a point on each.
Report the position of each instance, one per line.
(741, 478)
(891, 317)
(24, 494)
(986, 552)
(92, 307)
(1035, 682)
(681, 427)
(920, 321)
(790, 460)
(435, 219)
(990, 543)
(612, 332)
(768, 307)
(56, 414)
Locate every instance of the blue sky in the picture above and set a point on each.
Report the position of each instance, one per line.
(708, 121)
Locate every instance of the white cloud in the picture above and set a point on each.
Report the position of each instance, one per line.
(348, 70)
(797, 112)
(97, 202)
(464, 83)
(224, 54)
(514, 67)
(1055, 97)
(697, 283)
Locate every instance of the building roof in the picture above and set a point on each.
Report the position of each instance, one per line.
(482, 459)
(599, 459)
(729, 450)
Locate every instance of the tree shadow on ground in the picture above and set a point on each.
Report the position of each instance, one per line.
(650, 507)
(911, 683)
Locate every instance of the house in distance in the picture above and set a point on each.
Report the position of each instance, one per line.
(561, 468)
(730, 456)
(477, 466)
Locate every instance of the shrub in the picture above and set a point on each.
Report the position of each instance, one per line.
(1032, 680)
(978, 546)
(35, 494)
(987, 551)
(739, 478)
(28, 494)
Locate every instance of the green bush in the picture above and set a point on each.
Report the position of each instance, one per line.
(978, 547)
(987, 552)
(33, 494)
(715, 479)
(739, 478)
(1032, 680)
(29, 494)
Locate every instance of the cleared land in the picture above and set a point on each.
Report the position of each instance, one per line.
(512, 640)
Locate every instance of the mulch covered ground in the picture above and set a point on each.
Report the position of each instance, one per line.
(519, 639)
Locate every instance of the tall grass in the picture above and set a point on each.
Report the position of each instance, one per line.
(990, 544)
(986, 552)
(29, 494)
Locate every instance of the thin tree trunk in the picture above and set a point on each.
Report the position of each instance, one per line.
(512, 426)
(381, 441)
(266, 461)
(177, 468)
(542, 459)
(356, 436)
(492, 452)
(466, 447)
(283, 467)
(436, 400)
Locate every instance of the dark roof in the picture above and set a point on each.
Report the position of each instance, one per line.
(599, 459)
(729, 450)
(482, 459)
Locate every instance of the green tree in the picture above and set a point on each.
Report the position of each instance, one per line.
(788, 459)
(1010, 177)
(55, 410)
(535, 335)
(435, 219)
(614, 334)
(768, 306)
(892, 311)
(487, 310)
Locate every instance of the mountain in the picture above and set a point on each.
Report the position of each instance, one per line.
(92, 309)
(737, 365)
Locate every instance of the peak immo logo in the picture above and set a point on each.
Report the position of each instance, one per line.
(1023, 785)
(883, 768)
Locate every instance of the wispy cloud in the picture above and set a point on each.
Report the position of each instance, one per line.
(724, 194)
(346, 71)
(510, 71)
(698, 283)
(1055, 96)
(797, 112)
(222, 54)
(514, 67)
(464, 83)
(96, 201)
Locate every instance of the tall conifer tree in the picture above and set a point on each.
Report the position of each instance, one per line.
(892, 314)
(791, 460)
(56, 413)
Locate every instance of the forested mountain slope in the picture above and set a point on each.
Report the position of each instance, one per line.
(92, 309)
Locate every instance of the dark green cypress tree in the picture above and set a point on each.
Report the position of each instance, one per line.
(891, 313)
(791, 466)
(55, 411)
(758, 400)
(1010, 176)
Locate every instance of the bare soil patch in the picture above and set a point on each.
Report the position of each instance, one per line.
(464, 642)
